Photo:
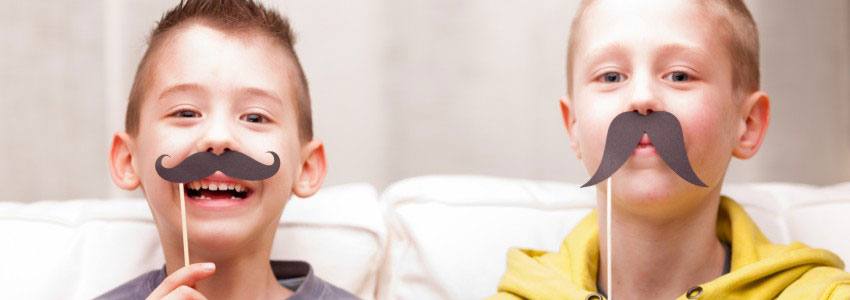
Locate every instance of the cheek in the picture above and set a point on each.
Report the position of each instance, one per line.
(278, 189)
(152, 144)
(707, 139)
(287, 148)
(592, 131)
(157, 190)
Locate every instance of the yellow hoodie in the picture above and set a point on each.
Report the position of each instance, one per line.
(759, 269)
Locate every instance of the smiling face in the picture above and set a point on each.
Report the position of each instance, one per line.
(210, 90)
(659, 56)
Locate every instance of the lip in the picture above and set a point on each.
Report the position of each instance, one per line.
(645, 150)
(218, 176)
(645, 146)
(218, 204)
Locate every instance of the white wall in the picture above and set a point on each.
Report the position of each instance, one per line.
(400, 88)
(806, 70)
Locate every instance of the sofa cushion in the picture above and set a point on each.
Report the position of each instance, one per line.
(449, 234)
(78, 249)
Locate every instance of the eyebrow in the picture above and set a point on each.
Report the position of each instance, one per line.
(194, 87)
(261, 93)
(183, 87)
(594, 55)
(676, 48)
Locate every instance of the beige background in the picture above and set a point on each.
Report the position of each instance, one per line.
(400, 88)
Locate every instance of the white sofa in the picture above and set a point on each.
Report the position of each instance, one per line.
(79, 249)
(434, 237)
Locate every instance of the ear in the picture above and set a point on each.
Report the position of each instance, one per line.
(313, 169)
(569, 123)
(755, 112)
(121, 162)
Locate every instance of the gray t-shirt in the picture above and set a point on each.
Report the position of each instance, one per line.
(295, 275)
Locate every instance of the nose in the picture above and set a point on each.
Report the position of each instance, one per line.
(218, 137)
(644, 99)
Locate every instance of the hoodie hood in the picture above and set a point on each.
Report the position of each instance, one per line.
(759, 269)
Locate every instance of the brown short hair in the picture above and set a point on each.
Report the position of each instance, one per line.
(237, 16)
(736, 25)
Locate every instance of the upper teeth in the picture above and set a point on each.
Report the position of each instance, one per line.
(212, 186)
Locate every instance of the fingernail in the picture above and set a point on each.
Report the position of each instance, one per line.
(208, 266)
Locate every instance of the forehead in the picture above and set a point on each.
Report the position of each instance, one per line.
(645, 24)
(221, 62)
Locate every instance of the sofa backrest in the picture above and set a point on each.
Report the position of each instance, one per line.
(449, 234)
(78, 249)
(432, 237)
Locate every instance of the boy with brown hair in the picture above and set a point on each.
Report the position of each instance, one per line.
(666, 64)
(221, 76)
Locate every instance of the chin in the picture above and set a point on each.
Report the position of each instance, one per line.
(643, 189)
(654, 194)
(642, 192)
(223, 235)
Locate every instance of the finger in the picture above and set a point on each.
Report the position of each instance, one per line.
(184, 293)
(184, 276)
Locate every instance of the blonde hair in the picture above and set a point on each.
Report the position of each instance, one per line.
(737, 28)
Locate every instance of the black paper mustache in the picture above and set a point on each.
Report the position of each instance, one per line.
(624, 135)
(203, 164)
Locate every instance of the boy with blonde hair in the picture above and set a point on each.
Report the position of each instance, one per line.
(666, 64)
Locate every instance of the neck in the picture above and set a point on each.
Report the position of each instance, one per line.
(244, 275)
(661, 259)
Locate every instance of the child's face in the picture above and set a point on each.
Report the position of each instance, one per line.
(212, 91)
(658, 56)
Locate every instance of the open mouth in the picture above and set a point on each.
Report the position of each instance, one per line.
(213, 190)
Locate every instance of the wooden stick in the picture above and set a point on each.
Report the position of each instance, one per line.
(608, 212)
(183, 222)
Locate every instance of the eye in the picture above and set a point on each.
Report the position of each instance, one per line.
(678, 76)
(611, 77)
(254, 118)
(185, 113)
